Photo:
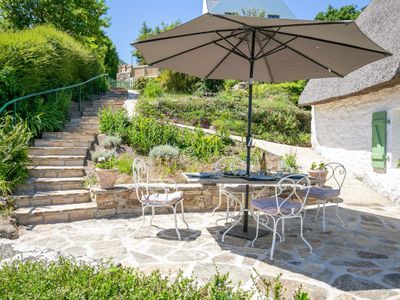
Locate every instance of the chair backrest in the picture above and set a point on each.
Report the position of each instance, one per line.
(140, 174)
(336, 174)
(287, 190)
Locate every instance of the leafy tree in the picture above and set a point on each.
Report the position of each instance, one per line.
(348, 12)
(253, 12)
(146, 32)
(84, 20)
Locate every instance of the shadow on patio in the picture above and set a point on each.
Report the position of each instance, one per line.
(363, 256)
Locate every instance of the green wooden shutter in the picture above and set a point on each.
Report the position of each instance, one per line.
(378, 151)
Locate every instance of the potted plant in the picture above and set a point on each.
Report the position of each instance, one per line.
(318, 172)
(104, 162)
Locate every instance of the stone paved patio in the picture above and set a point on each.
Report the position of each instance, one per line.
(359, 261)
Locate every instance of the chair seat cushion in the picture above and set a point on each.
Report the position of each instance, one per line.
(237, 188)
(319, 193)
(269, 205)
(160, 199)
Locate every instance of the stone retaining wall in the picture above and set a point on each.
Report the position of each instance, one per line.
(122, 199)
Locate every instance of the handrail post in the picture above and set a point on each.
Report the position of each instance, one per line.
(91, 99)
(79, 107)
(14, 113)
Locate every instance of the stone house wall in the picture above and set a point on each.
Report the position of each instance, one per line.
(342, 132)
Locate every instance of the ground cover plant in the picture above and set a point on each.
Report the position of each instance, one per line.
(66, 279)
(276, 115)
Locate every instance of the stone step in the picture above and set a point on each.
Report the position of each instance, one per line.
(69, 127)
(61, 143)
(80, 151)
(50, 184)
(68, 136)
(55, 213)
(52, 198)
(56, 171)
(84, 120)
(56, 160)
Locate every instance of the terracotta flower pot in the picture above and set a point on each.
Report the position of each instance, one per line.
(106, 177)
(320, 175)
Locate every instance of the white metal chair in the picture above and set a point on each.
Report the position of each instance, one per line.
(155, 200)
(230, 191)
(285, 204)
(330, 192)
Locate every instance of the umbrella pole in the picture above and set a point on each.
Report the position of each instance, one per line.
(248, 138)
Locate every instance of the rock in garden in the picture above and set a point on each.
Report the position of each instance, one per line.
(8, 229)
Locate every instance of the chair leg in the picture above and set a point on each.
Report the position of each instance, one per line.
(257, 228)
(219, 202)
(176, 223)
(152, 215)
(143, 222)
(323, 218)
(302, 236)
(271, 256)
(316, 214)
(183, 215)
(228, 213)
(338, 216)
(230, 228)
(283, 230)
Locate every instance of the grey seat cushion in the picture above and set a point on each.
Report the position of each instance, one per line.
(270, 205)
(160, 199)
(320, 193)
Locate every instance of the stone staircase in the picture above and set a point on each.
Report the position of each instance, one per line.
(53, 192)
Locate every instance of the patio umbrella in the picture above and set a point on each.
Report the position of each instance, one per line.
(268, 50)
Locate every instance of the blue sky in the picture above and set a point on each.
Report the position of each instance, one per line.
(127, 16)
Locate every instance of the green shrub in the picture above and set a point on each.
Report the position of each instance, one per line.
(48, 113)
(114, 122)
(13, 154)
(140, 83)
(152, 90)
(103, 155)
(124, 164)
(42, 58)
(112, 142)
(164, 153)
(175, 82)
(66, 279)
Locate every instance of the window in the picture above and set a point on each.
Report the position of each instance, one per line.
(273, 16)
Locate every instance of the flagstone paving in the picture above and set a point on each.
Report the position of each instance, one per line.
(361, 260)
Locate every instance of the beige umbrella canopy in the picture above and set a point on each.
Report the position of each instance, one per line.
(269, 50)
(220, 47)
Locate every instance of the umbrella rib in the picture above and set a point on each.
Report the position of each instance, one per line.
(265, 59)
(182, 35)
(226, 48)
(227, 55)
(308, 58)
(191, 49)
(230, 43)
(333, 42)
(265, 45)
(276, 49)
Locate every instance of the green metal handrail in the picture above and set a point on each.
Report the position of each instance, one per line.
(14, 101)
(127, 84)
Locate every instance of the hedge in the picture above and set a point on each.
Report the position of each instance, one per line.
(42, 58)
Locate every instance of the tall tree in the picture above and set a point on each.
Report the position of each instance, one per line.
(84, 20)
(146, 32)
(348, 12)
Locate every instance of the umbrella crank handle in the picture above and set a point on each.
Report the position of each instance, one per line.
(249, 142)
